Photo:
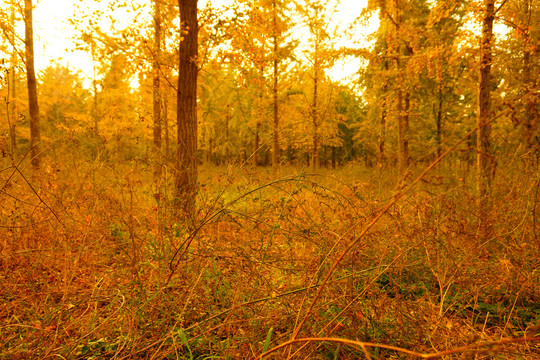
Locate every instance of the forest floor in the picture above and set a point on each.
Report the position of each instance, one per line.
(95, 264)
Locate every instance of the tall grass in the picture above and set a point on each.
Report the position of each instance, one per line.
(95, 264)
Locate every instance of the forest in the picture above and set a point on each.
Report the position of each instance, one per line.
(215, 186)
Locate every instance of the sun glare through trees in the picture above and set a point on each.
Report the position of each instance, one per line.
(269, 179)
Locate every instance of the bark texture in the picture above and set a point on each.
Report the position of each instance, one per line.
(186, 172)
(35, 135)
(484, 159)
(156, 90)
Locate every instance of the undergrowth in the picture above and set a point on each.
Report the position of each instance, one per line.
(96, 265)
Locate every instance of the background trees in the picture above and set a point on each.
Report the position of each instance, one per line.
(265, 93)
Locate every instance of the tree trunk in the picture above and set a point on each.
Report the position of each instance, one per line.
(484, 159)
(438, 120)
(35, 136)
(157, 91)
(260, 111)
(210, 155)
(275, 149)
(404, 99)
(227, 142)
(382, 136)
(186, 171)
(13, 113)
(256, 144)
(94, 110)
(530, 118)
(485, 162)
(315, 104)
(403, 105)
(315, 120)
(165, 104)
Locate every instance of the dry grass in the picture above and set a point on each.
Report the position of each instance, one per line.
(94, 265)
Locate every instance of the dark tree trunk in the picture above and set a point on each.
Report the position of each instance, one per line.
(438, 120)
(156, 90)
(384, 114)
(166, 128)
(484, 160)
(315, 103)
(13, 112)
(256, 145)
(186, 172)
(227, 142)
(275, 147)
(403, 107)
(530, 119)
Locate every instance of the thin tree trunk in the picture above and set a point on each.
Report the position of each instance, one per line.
(94, 109)
(530, 119)
(484, 159)
(315, 119)
(403, 130)
(35, 136)
(227, 150)
(275, 149)
(438, 135)
(382, 134)
(256, 144)
(157, 91)
(13, 103)
(485, 162)
(315, 104)
(186, 171)
(210, 157)
(403, 105)
(12, 114)
(12, 111)
(166, 128)
(530, 106)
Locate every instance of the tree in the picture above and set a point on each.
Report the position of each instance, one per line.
(279, 29)
(249, 32)
(320, 58)
(484, 159)
(530, 80)
(63, 101)
(376, 81)
(13, 110)
(35, 137)
(443, 64)
(9, 69)
(521, 56)
(398, 59)
(116, 102)
(156, 90)
(186, 171)
(276, 42)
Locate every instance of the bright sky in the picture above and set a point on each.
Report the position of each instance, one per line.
(53, 39)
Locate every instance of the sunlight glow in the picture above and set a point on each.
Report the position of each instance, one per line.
(54, 39)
